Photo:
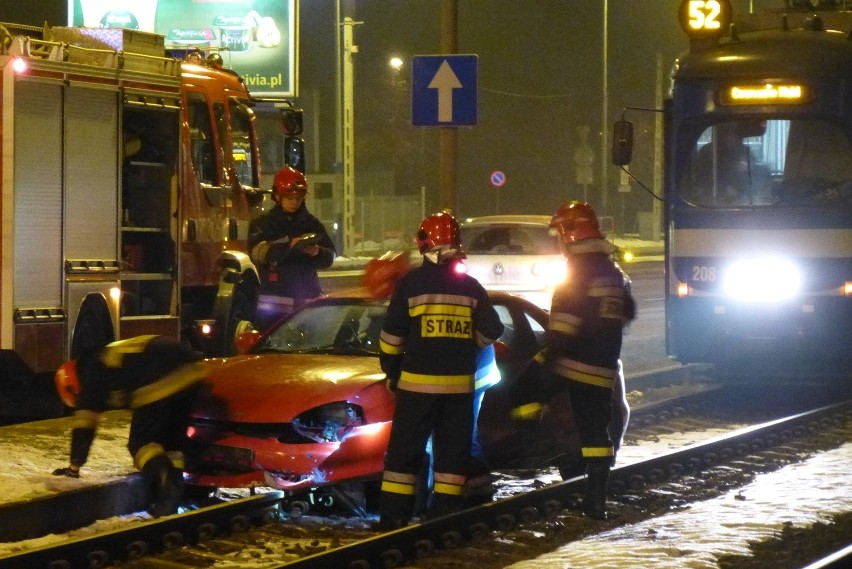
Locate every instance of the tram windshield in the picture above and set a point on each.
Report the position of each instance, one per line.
(768, 163)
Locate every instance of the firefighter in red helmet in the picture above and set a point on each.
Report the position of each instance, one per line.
(288, 244)
(437, 321)
(159, 380)
(588, 314)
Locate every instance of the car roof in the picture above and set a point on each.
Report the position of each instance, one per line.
(508, 219)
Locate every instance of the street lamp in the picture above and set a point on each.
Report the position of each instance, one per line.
(396, 63)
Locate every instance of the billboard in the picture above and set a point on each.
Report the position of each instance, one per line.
(256, 38)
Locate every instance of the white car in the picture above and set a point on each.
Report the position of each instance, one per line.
(517, 254)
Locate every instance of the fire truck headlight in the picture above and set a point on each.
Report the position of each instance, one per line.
(204, 327)
(761, 280)
(19, 65)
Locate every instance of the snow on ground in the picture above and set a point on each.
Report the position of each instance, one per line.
(692, 538)
(800, 494)
(33, 450)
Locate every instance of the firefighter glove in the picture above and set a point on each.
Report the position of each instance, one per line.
(67, 471)
(528, 412)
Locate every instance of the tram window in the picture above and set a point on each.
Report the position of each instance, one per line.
(782, 161)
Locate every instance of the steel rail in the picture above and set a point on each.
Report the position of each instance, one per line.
(147, 537)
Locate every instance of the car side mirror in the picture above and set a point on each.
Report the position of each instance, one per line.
(622, 143)
(247, 340)
(501, 350)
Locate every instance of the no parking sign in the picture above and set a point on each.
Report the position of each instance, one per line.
(498, 178)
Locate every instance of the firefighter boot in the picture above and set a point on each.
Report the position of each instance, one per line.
(594, 500)
(167, 484)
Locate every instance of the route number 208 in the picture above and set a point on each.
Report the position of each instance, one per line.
(703, 273)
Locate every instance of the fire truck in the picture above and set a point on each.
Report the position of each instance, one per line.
(128, 181)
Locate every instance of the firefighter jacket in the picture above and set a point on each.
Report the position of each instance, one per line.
(436, 321)
(129, 374)
(285, 270)
(588, 314)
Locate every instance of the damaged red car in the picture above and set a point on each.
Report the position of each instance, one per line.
(306, 406)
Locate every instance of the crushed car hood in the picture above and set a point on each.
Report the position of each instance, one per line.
(277, 388)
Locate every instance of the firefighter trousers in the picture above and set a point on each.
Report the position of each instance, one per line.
(592, 408)
(449, 419)
(160, 427)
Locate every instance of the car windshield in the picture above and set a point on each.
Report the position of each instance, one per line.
(345, 328)
(505, 239)
(767, 162)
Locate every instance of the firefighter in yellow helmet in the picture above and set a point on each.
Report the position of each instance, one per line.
(288, 244)
(159, 379)
(437, 320)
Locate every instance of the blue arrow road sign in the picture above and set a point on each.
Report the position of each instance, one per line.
(444, 90)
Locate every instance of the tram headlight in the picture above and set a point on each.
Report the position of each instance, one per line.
(761, 280)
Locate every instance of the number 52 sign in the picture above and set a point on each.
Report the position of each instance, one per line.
(705, 18)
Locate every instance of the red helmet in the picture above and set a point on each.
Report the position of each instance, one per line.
(576, 221)
(439, 229)
(382, 274)
(68, 383)
(289, 182)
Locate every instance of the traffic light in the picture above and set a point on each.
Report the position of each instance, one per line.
(294, 145)
(294, 153)
(291, 118)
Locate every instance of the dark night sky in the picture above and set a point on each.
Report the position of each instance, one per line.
(540, 77)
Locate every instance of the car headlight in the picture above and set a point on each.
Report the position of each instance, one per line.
(553, 272)
(330, 422)
(761, 279)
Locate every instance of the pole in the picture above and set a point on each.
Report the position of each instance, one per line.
(348, 137)
(656, 205)
(338, 95)
(604, 110)
(448, 137)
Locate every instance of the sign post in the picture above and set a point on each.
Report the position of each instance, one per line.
(498, 178)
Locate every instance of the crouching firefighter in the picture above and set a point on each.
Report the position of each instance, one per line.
(587, 318)
(437, 320)
(159, 380)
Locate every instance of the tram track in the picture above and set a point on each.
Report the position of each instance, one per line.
(233, 526)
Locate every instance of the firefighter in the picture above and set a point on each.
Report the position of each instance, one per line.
(288, 244)
(588, 314)
(380, 278)
(155, 377)
(437, 320)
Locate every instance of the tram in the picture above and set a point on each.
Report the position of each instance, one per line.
(758, 190)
